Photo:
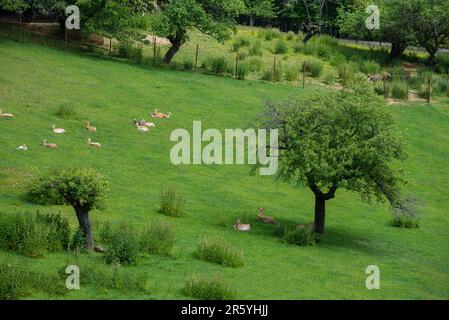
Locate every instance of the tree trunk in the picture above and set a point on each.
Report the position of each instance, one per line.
(176, 44)
(83, 220)
(432, 60)
(320, 213)
(251, 20)
(397, 49)
(309, 36)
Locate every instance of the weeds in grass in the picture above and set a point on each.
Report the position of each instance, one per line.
(172, 203)
(15, 283)
(407, 213)
(256, 49)
(301, 235)
(280, 47)
(290, 36)
(214, 249)
(123, 247)
(329, 77)
(399, 90)
(313, 67)
(292, 73)
(33, 234)
(218, 65)
(370, 67)
(208, 288)
(66, 111)
(158, 238)
(254, 64)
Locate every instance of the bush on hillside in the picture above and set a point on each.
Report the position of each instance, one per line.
(214, 249)
(158, 238)
(172, 203)
(208, 288)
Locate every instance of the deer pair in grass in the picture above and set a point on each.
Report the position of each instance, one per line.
(239, 226)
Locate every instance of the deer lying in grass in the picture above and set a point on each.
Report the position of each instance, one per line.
(50, 145)
(262, 217)
(93, 144)
(23, 148)
(6, 115)
(58, 130)
(379, 77)
(143, 123)
(239, 226)
(159, 115)
(90, 128)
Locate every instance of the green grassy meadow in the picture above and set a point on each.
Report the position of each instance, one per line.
(35, 80)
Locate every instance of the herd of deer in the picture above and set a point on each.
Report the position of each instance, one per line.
(142, 127)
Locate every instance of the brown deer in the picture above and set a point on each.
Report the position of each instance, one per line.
(239, 226)
(266, 219)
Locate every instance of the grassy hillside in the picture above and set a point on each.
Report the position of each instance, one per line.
(35, 80)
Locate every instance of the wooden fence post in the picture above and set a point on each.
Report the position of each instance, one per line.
(386, 89)
(154, 50)
(196, 56)
(304, 70)
(236, 64)
(110, 46)
(274, 69)
(429, 88)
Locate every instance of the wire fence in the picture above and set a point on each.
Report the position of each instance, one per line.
(223, 61)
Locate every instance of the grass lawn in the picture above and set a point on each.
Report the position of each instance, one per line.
(35, 80)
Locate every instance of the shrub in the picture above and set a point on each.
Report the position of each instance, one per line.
(370, 66)
(346, 72)
(329, 77)
(172, 203)
(398, 73)
(443, 62)
(337, 60)
(270, 34)
(123, 247)
(33, 234)
(158, 238)
(379, 88)
(242, 55)
(280, 47)
(217, 251)
(218, 65)
(313, 67)
(399, 90)
(137, 53)
(254, 64)
(406, 213)
(273, 75)
(66, 111)
(290, 36)
(256, 49)
(124, 49)
(424, 92)
(440, 85)
(292, 73)
(16, 283)
(78, 242)
(187, 64)
(298, 46)
(240, 41)
(242, 71)
(208, 288)
(302, 235)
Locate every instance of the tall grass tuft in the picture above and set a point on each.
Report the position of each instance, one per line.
(66, 110)
(172, 203)
(208, 288)
(123, 247)
(214, 249)
(280, 47)
(313, 67)
(399, 90)
(158, 238)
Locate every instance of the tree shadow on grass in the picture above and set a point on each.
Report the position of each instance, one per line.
(349, 239)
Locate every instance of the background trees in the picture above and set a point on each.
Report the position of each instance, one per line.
(259, 8)
(212, 17)
(341, 140)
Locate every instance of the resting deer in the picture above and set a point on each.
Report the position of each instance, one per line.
(6, 115)
(159, 115)
(93, 144)
(144, 123)
(90, 128)
(379, 77)
(58, 130)
(239, 226)
(262, 217)
(50, 145)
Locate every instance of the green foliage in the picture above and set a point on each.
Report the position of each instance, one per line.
(379, 88)
(208, 288)
(440, 85)
(254, 64)
(290, 36)
(172, 203)
(398, 73)
(242, 71)
(298, 46)
(346, 72)
(271, 34)
(313, 67)
(256, 49)
(370, 67)
(33, 234)
(16, 283)
(66, 111)
(77, 243)
(72, 186)
(215, 250)
(123, 248)
(218, 65)
(240, 41)
(158, 238)
(281, 47)
(300, 235)
(407, 213)
(329, 151)
(242, 55)
(292, 73)
(329, 77)
(443, 62)
(399, 90)
(187, 64)
(273, 75)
